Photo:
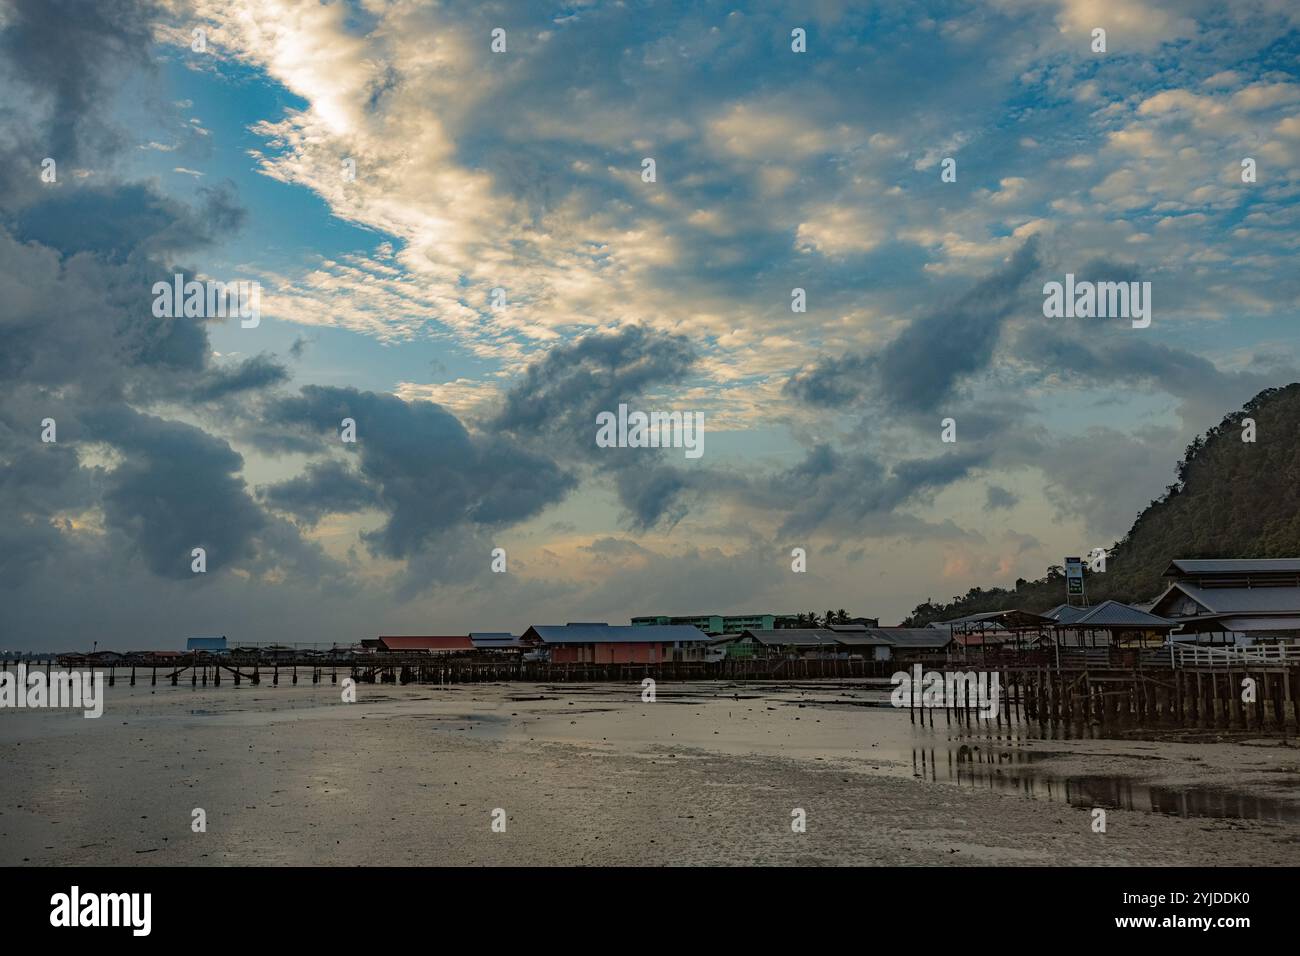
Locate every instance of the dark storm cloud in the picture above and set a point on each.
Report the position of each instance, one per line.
(834, 382)
(69, 55)
(85, 324)
(426, 470)
(999, 497)
(1103, 353)
(831, 490)
(921, 367)
(37, 481)
(653, 496)
(176, 489)
(79, 342)
(1088, 354)
(253, 374)
(561, 394)
(325, 488)
(118, 221)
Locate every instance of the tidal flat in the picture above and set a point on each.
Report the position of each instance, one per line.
(592, 774)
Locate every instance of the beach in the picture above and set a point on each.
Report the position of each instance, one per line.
(707, 773)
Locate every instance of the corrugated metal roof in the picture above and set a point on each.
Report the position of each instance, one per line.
(863, 638)
(616, 633)
(729, 638)
(438, 643)
(1260, 624)
(494, 639)
(793, 636)
(1013, 617)
(995, 639)
(205, 644)
(1114, 614)
(1065, 613)
(1233, 566)
(1242, 600)
(914, 637)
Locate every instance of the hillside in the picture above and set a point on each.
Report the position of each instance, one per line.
(1231, 499)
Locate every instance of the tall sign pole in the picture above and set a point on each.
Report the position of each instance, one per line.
(1074, 582)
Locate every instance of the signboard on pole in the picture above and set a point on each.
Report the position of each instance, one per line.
(1074, 576)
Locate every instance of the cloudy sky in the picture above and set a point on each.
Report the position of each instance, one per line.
(522, 170)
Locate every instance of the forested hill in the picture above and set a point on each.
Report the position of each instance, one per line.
(1231, 499)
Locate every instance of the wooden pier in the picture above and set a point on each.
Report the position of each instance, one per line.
(1205, 696)
(1183, 687)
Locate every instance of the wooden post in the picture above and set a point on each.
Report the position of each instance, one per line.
(1292, 677)
(1293, 688)
(1005, 703)
(1261, 688)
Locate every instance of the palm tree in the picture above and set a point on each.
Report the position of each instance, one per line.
(842, 616)
(812, 618)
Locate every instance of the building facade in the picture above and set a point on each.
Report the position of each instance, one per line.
(1233, 601)
(714, 624)
(601, 643)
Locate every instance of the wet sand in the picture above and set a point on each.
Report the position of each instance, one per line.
(707, 774)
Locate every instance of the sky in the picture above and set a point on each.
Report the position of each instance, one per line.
(920, 171)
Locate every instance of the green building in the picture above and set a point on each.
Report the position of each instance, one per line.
(715, 623)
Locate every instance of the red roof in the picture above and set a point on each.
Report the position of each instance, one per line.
(448, 643)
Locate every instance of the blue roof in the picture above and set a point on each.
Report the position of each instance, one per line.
(1066, 614)
(205, 644)
(1113, 614)
(616, 633)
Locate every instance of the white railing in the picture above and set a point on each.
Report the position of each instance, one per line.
(1199, 655)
